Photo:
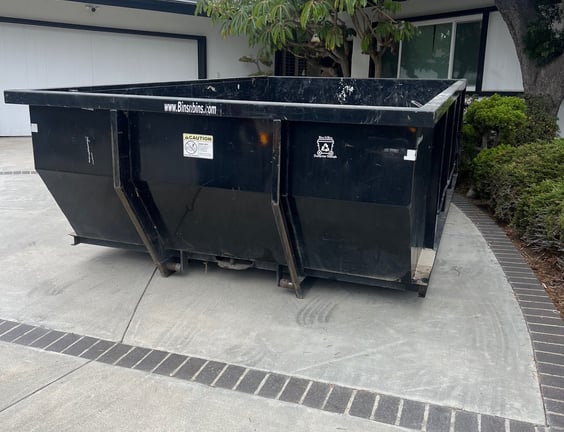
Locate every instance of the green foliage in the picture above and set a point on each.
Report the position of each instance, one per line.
(541, 124)
(509, 120)
(524, 186)
(544, 39)
(539, 216)
(310, 29)
(501, 116)
(485, 168)
(470, 138)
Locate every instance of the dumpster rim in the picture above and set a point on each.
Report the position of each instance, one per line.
(424, 116)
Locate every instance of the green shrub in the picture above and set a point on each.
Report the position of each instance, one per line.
(503, 174)
(468, 152)
(539, 218)
(541, 124)
(485, 165)
(497, 119)
(509, 120)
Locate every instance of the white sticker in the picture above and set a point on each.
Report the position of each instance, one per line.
(34, 128)
(411, 155)
(325, 148)
(198, 146)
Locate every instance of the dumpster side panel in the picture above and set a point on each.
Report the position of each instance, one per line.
(351, 162)
(217, 203)
(352, 188)
(354, 238)
(171, 150)
(218, 222)
(72, 152)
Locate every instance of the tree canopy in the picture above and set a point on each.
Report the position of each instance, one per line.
(312, 29)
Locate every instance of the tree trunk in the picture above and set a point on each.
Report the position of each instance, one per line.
(546, 81)
(377, 60)
(345, 67)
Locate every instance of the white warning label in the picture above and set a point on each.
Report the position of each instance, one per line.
(198, 146)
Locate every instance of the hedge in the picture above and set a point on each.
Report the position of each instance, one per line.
(539, 216)
(524, 186)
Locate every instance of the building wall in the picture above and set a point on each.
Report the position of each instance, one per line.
(39, 56)
(223, 54)
(502, 71)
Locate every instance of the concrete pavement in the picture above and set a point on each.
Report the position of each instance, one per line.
(465, 347)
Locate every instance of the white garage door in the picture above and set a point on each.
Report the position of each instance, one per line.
(34, 57)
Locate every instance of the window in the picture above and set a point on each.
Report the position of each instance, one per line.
(447, 49)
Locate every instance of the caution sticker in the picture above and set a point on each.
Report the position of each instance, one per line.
(198, 146)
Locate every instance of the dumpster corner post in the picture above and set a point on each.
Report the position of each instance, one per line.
(132, 202)
(280, 210)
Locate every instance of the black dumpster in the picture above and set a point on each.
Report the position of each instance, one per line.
(343, 179)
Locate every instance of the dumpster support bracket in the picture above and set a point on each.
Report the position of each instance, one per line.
(132, 202)
(281, 210)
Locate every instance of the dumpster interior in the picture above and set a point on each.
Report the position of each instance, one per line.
(404, 93)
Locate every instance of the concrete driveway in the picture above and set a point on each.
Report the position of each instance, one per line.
(94, 339)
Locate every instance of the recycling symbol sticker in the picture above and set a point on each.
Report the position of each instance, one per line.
(325, 148)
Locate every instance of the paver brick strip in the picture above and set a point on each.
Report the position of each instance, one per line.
(294, 390)
(492, 424)
(387, 409)
(552, 392)
(15, 332)
(190, 368)
(465, 422)
(230, 376)
(47, 339)
(133, 357)
(273, 386)
(151, 361)
(97, 350)
(7, 326)
(210, 372)
(317, 394)
(251, 381)
(31, 336)
(314, 394)
(549, 347)
(338, 399)
(114, 354)
(64, 342)
(80, 346)
(554, 406)
(551, 369)
(170, 364)
(412, 414)
(515, 426)
(438, 419)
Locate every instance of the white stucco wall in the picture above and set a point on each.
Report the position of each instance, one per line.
(502, 71)
(360, 63)
(223, 54)
(35, 56)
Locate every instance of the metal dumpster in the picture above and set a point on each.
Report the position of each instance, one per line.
(344, 179)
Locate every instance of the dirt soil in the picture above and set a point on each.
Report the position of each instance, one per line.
(544, 266)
